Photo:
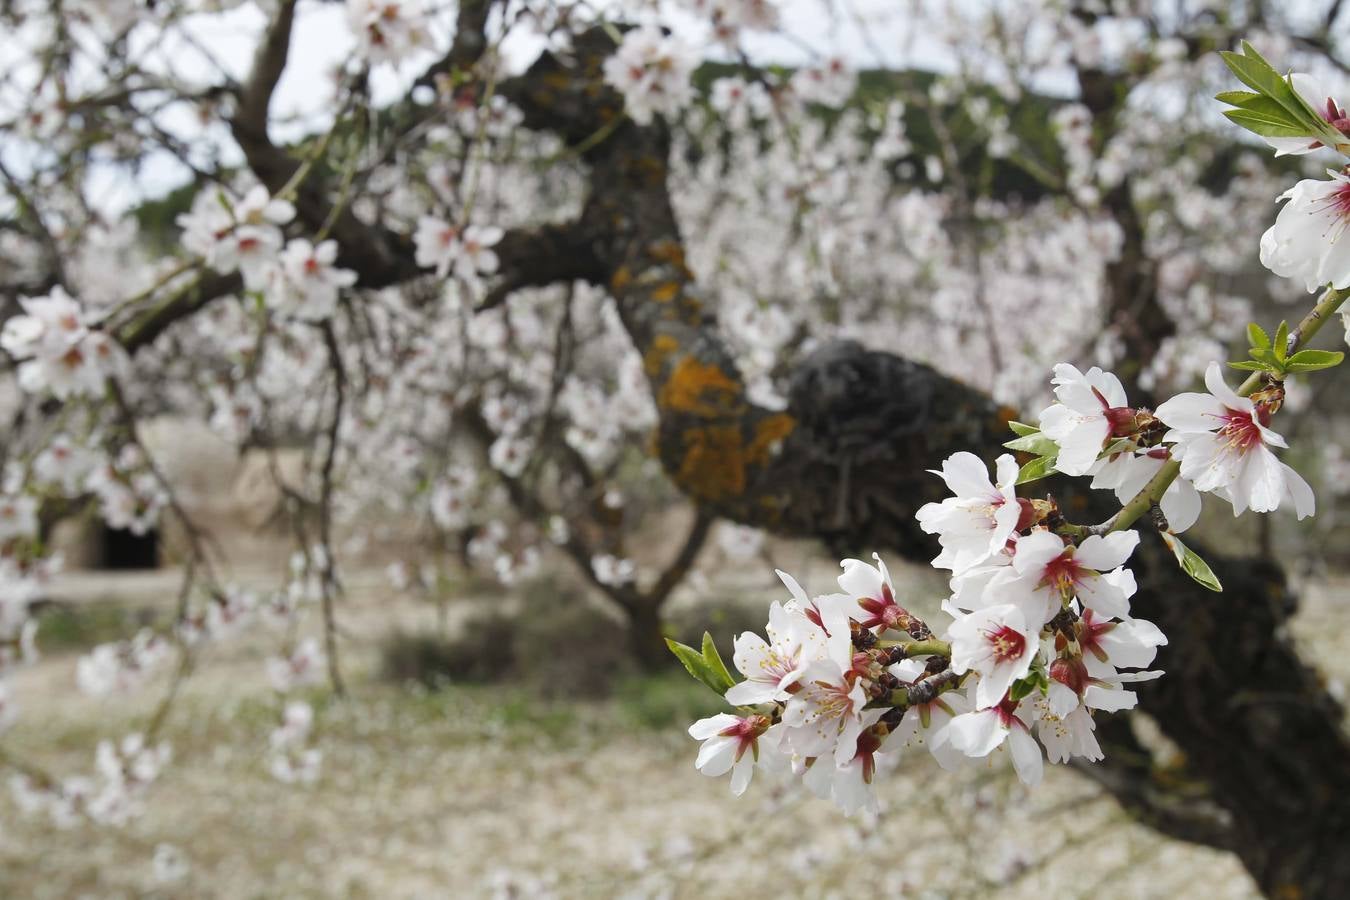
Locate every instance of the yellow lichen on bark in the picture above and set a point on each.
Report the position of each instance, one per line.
(701, 389)
(769, 433)
(664, 293)
(713, 464)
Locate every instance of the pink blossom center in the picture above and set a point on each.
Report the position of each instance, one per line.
(1007, 712)
(1338, 202)
(1240, 430)
(1063, 572)
(1006, 643)
(747, 732)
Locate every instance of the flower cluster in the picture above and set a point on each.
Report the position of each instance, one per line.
(1039, 638)
(57, 349)
(244, 235)
(652, 71)
(467, 252)
(387, 30)
(124, 770)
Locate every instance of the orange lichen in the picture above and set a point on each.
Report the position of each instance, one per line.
(769, 433)
(701, 389)
(664, 293)
(622, 276)
(713, 464)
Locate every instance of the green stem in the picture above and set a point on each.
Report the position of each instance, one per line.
(1159, 483)
(930, 647)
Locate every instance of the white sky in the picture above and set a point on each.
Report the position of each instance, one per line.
(869, 33)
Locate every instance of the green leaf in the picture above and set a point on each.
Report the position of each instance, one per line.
(1253, 70)
(1267, 356)
(1313, 360)
(1037, 469)
(715, 665)
(1251, 365)
(1281, 346)
(1192, 564)
(1036, 680)
(1036, 443)
(1265, 126)
(1257, 335)
(1021, 429)
(697, 665)
(1236, 98)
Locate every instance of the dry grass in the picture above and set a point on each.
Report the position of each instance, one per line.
(482, 791)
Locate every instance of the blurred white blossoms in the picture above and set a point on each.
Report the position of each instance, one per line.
(444, 247)
(387, 30)
(230, 233)
(302, 666)
(830, 83)
(309, 283)
(121, 666)
(1308, 240)
(612, 571)
(56, 349)
(1224, 444)
(123, 771)
(291, 760)
(652, 71)
(296, 278)
(18, 517)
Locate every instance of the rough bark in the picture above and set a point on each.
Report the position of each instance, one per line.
(1266, 760)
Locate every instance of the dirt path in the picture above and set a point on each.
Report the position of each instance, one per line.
(488, 791)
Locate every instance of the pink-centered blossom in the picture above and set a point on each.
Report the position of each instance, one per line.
(978, 521)
(1046, 574)
(1308, 240)
(1092, 408)
(730, 744)
(1224, 444)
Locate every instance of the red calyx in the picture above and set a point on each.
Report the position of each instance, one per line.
(1071, 673)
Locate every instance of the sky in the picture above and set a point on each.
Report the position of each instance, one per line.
(868, 33)
(322, 44)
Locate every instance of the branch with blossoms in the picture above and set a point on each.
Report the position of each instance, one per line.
(1040, 637)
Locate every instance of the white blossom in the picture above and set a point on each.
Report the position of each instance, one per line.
(1224, 446)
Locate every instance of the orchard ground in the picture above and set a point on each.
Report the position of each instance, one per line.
(501, 789)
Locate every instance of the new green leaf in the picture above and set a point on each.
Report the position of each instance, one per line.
(1191, 563)
(698, 666)
(1037, 469)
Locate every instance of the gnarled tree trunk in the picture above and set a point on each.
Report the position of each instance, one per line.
(1266, 768)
